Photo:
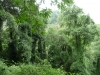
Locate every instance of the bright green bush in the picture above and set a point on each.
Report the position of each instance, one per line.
(29, 69)
(39, 70)
(2, 68)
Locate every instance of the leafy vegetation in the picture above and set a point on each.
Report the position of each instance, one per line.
(29, 69)
(36, 41)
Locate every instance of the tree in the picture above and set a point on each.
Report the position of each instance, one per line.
(12, 33)
(81, 29)
(76, 33)
(9, 6)
(2, 13)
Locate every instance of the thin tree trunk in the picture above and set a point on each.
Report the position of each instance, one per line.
(12, 48)
(33, 48)
(78, 43)
(40, 48)
(1, 26)
(98, 66)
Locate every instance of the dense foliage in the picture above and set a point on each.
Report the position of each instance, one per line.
(36, 41)
(29, 69)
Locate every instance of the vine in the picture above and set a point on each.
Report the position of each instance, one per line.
(11, 28)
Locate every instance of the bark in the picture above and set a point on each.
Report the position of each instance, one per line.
(1, 25)
(78, 42)
(12, 47)
(98, 66)
(35, 38)
(40, 48)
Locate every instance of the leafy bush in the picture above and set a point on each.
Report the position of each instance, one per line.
(32, 69)
(2, 68)
(39, 70)
(29, 69)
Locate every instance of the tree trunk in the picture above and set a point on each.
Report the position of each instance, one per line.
(33, 48)
(98, 66)
(40, 48)
(1, 25)
(78, 42)
(12, 48)
(44, 52)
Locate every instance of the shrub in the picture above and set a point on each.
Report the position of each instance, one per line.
(39, 70)
(29, 69)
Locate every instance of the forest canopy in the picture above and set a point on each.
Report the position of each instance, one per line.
(35, 41)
